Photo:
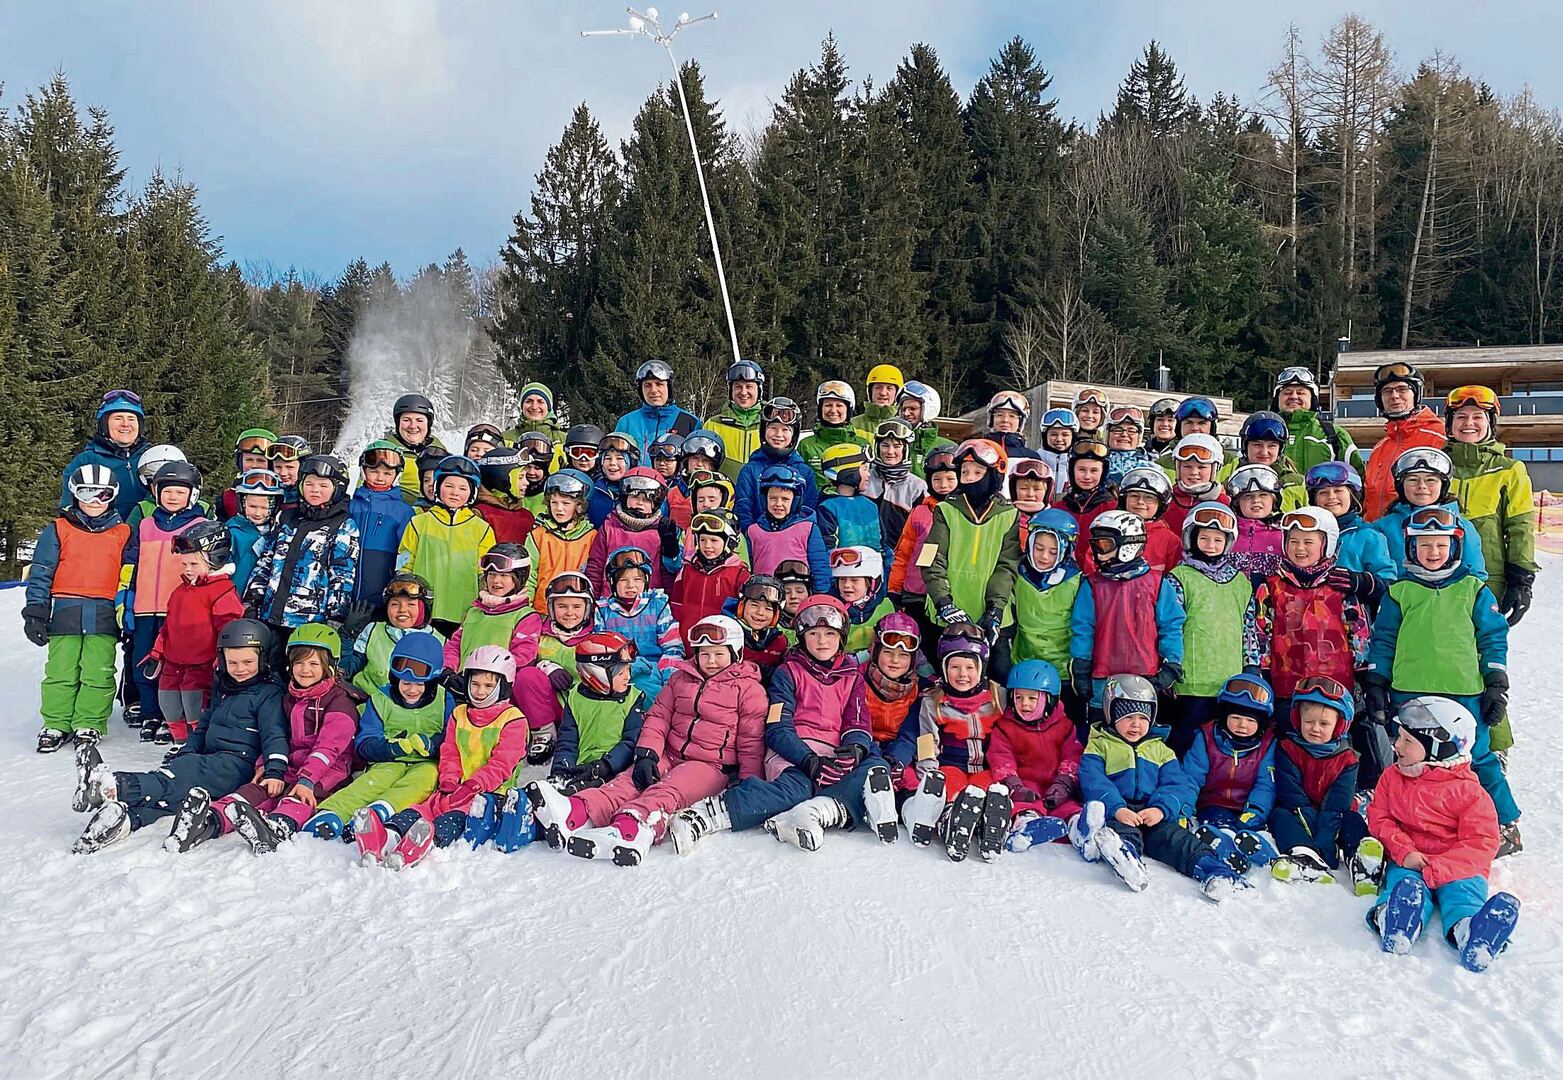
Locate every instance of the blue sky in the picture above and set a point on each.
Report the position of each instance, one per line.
(396, 129)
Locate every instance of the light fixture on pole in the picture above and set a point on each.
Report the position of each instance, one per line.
(647, 24)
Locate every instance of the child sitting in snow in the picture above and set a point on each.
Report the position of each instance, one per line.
(797, 586)
(1231, 768)
(602, 714)
(1035, 754)
(1134, 789)
(1316, 821)
(706, 729)
(1255, 491)
(1441, 833)
(643, 615)
(893, 689)
(408, 602)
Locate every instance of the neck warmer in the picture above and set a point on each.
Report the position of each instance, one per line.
(980, 494)
(1220, 570)
(890, 689)
(892, 474)
(634, 521)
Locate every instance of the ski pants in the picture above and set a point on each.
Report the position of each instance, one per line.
(683, 785)
(1229, 823)
(535, 697)
(157, 794)
(1064, 810)
(181, 709)
(143, 637)
(1166, 841)
(753, 801)
(1484, 763)
(1291, 830)
(78, 682)
(397, 784)
(1456, 900)
(282, 805)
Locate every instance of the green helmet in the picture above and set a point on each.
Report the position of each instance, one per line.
(317, 635)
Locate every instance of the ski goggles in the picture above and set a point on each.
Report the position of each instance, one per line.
(667, 448)
(254, 444)
(634, 559)
(1333, 474)
(1030, 467)
(1254, 479)
(581, 453)
(711, 525)
(536, 442)
(654, 369)
(1089, 450)
(1126, 416)
(259, 482)
(1303, 519)
(1253, 689)
(94, 493)
(410, 590)
(899, 640)
(1011, 400)
(703, 446)
(981, 449)
(389, 458)
(1296, 376)
(643, 485)
(1064, 418)
(1266, 429)
(821, 615)
(1198, 408)
(745, 371)
(939, 461)
(845, 558)
(1424, 459)
(568, 585)
(1213, 517)
(408, 667)
(500, 563)
(1164, 407)
(622, 444)
(833, 390)
(1196, 452)
(777, 413)
(118, 397)
(281, 451)
(565, 484)
(761, 592)
(1322, 685)
(1091, 396)
(709, 478)
(1433, 521)
(898, 430)
(707, 633)
(1395, 371)
(1483, 397)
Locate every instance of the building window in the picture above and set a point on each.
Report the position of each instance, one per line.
(1537, 389)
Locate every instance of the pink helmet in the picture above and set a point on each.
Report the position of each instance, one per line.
(897, 630)
(496, 661)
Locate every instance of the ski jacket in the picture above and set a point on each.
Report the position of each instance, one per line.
(369, 660)
(322, 720)
(1085, 507)
(893, 720)
(1239, 780)
(603, 498)
(824, 436)
(381, 517)
(1145, 774)
(511, 521)
(549, 425)
(953, 729)
(765, 650)
(814, 708)
(509, 622)
(197, 612)
(852, 521)
(1257, 551)
(974, 557)
(701, 590)
(1119, 462)
(739, 430)
(75, 572)
(443, 547)
(773, 542)
(246, 719)
(1293, 491)
(1421, 428)
(1311, 444)
(599, 727)
(555, 548)
(1305, 626)
(309, 567)
(483, 750)
(1127, 623)
(649, 623)
(1363, 549)
(1442, 813)
(1058, 461)
(150, 554)
(1315, 787)
(122, 461)
(384, 721)
(1044, 607)
(1163, 547)
(906, 576)
(720, 720)
(1035, 755)
(748, 506)
(248, 541)
(897, 496)
(556, 648)
(1440, 637)
(1495, 493)
(1392, 526)
(411, 483)
(1182, 502)
(616, 533)
(1218, 612)
(649, 423)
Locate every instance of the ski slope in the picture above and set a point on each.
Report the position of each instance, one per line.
(747, 959)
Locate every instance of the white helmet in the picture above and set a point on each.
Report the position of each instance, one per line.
(1313, 519)
(1013, 400)
(1248, 479)
(930, 398)
(1209, 514)
(858, 561)
(94, 480)
(154, 458)
(1150, 479)
(1201, 447)
(1445, 728)
(718, 630)
(1125, 530)
(839, 390)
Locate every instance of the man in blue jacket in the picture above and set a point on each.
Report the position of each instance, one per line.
(658, 414)
(117, 446)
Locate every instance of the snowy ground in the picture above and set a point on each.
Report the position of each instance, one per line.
(747, 959)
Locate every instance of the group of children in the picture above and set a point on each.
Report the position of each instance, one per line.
(1093, 644)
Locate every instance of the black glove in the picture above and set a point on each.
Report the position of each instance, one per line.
(594, 772)
(1167, 676)
(846, 758)
(989, 625)
(1080, 677)
(1020, 792)
(150, 669)
(667, 529)
(898, 601)
(950, 613)
(35, 624)
(811, 766)
(455, 684)
(1375, 697)
(1517, 593)
(358, 616)
(646, 771)
(1495, 699)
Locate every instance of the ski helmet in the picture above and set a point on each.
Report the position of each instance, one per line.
(668, 446)
(416, 658)
(1252, 479)
(1164, 407)
(317, 635)
(600, 657)
(897, 631)
(508, 558)
(885, 373)
(1295, 376)
(718, 630)
(569, 482)
(1335, 474)
(1445, 728)
(858, 561)
(1039, 676)
(94, 484)
(1424, 459)
(716, 523)
(1117, 536)
(1199, 447)
(1087, 449)
(382, 452)
(643, 481)
(782, 410)
(1323, 690)
(962, 639)
(705, 443)
(746, 371)
(1060, 525)
(484, 433)
(1090, 395)
(154, 458)
(793, 572)
(209, 539)
(655, 369)
(940, 459)
(290, 448)
(1030, 468)
(1434, 521)
(781, 476)
(256, 441)
(329, 467)
(495, 660)
(1209, 514)
(259, 482)
(1126, 416)
(1128, 695)
(497, 470)
(985, 452)
(1313, 519)
(581, 444)
(412, 403)
(569, 584)
(538, 445)
(927, 395)
(1248, 695)
(245, 634)
(412, 587)
(844, 462)
(705, 478)
(1012, 400)
(762, 589)
(1483, 397)
(1397, 371)
(1061, 418)
(177, 474)
(834, 390)
(119, 401)
(822, 611)
(621, 442)
(1197, 408)
(625, 560)
(460, 468)
(894, 430)
(1262, 426)
(1152, 481)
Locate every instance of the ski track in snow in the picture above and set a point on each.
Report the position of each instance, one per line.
(746, 959)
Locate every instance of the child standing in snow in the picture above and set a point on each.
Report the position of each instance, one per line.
(1145, 493)
(643, 615)
(1336, 487)
(847, 517)
(408, 602)
(1231, 769)
(443, 543)
(706, 729)
(785, 529)
(638, 521)
(1045, 591)
(310, 565)
(561, 538)
(1441, 833)
(1255, 491)
(1134, 790)
(260, 501)
(1035, 754)
(1425, 477)
(381, 514)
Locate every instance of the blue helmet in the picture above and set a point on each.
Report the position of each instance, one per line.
(1038, 675)
(1057, 523)
(461, 468)
(418, 657)
(1249, 695)
(1200, 408)
(781, 476)
(1263, 425)
(121, 401)
(1323, 690)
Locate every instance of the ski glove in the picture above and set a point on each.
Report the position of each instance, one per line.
(950, 612)
(559, 679)
(35, 624)
(1495, 699)
(1375, 696)
(151, 668)
(358, 617)
(989, 625)
(418, 746)
(834, 768)
(1517, 594)
(1356, 583)
(125, 608)
(594, 772)
(646, 771)
(455, 684)
(1058, 792)
(1019, 792)
(1080, 678)
(1167, 676)
(667, 530)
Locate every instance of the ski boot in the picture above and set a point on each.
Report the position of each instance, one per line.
(879, 804)
(1085, 828)
(1255, 846)
(89, 788)
(1366, 867)
(517, 826)
(1484, 935)
(922, 811)
(804, 825)
(1225, 847)
(450, 827)
(414, 846)
(558, 815)
(1302, 864)
(689, 826)
(997, 809)
(374, 840)
(131, 714)
(193, 824)
(50, 740)
(482, 820)
(86, 735)
(1398, 919)
(626, 841)
(1123, 857)
(149, 730)
(961, 822)
(324, 825)
(109, 825)
(263, 832)
(1217, 880)
(1509, 842)
(1031, 829)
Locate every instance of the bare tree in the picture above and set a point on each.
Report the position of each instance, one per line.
(1025, 350)
(1288, 101)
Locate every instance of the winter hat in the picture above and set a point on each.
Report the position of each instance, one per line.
(1125, 696)
(541, 391)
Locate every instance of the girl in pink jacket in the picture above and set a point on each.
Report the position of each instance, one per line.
(322, 720)
(706, 729)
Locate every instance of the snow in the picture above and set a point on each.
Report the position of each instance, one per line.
(747, 958)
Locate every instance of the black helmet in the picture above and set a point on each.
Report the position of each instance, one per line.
(245, 634)
(327, 465)
(177, 474)
(583, 435)
(746, 371)
(497, 468)
(463, 468)
(208, 538)
(410, 585)
(484, 433)
(413, 403)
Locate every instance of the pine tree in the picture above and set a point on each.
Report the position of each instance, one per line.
(1153, 96)
(1126, 284)
(291, 336)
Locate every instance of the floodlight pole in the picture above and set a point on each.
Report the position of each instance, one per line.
(646, 23)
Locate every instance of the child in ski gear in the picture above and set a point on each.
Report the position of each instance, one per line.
(818, 749)
(1255, 491)
(972, 553)
(907, 589)
(1194, 461)
(1126, 443)
(1145, 491)
(847, 516)
(69, 608)
(759, 611)
(1045, 591)
(1218, 612)
(1134, 791)
(779, 436)
(919, 404)
(834, 403)
(1439, 632)
(1090, 406)
(620, 453)
(571, 610)
(1163, 433)
(481, 438)
(252, 450)
(148, 463)
(381, 515)
(399, 737)
(1008, 411)
(482, 753)
(1035, 754)
(185, 652)
(1262, 441)
(1336, 487)
(151, 571)
(260, 503)
(561, 540)
(890, 482)
(1127, 619)
(413, 431)
(443, 543)
(659, 413)
(858, 575)
(1030, 487)
(706, 729)
(1089, 493)
(310, 565)
(638, 521)
(712, 575)
(1316, 820)
(643, 615)
(786, 529)
(535, 457)
(242, 732)
(1231, 770)
(603, 714)
(1409, 425)
(1438, 826)
(667, 454)
(407, 601)
(893, 690)
(1312, 437)
(1425, 477)
(117, 445)
(1059, 428)
(283, 458)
